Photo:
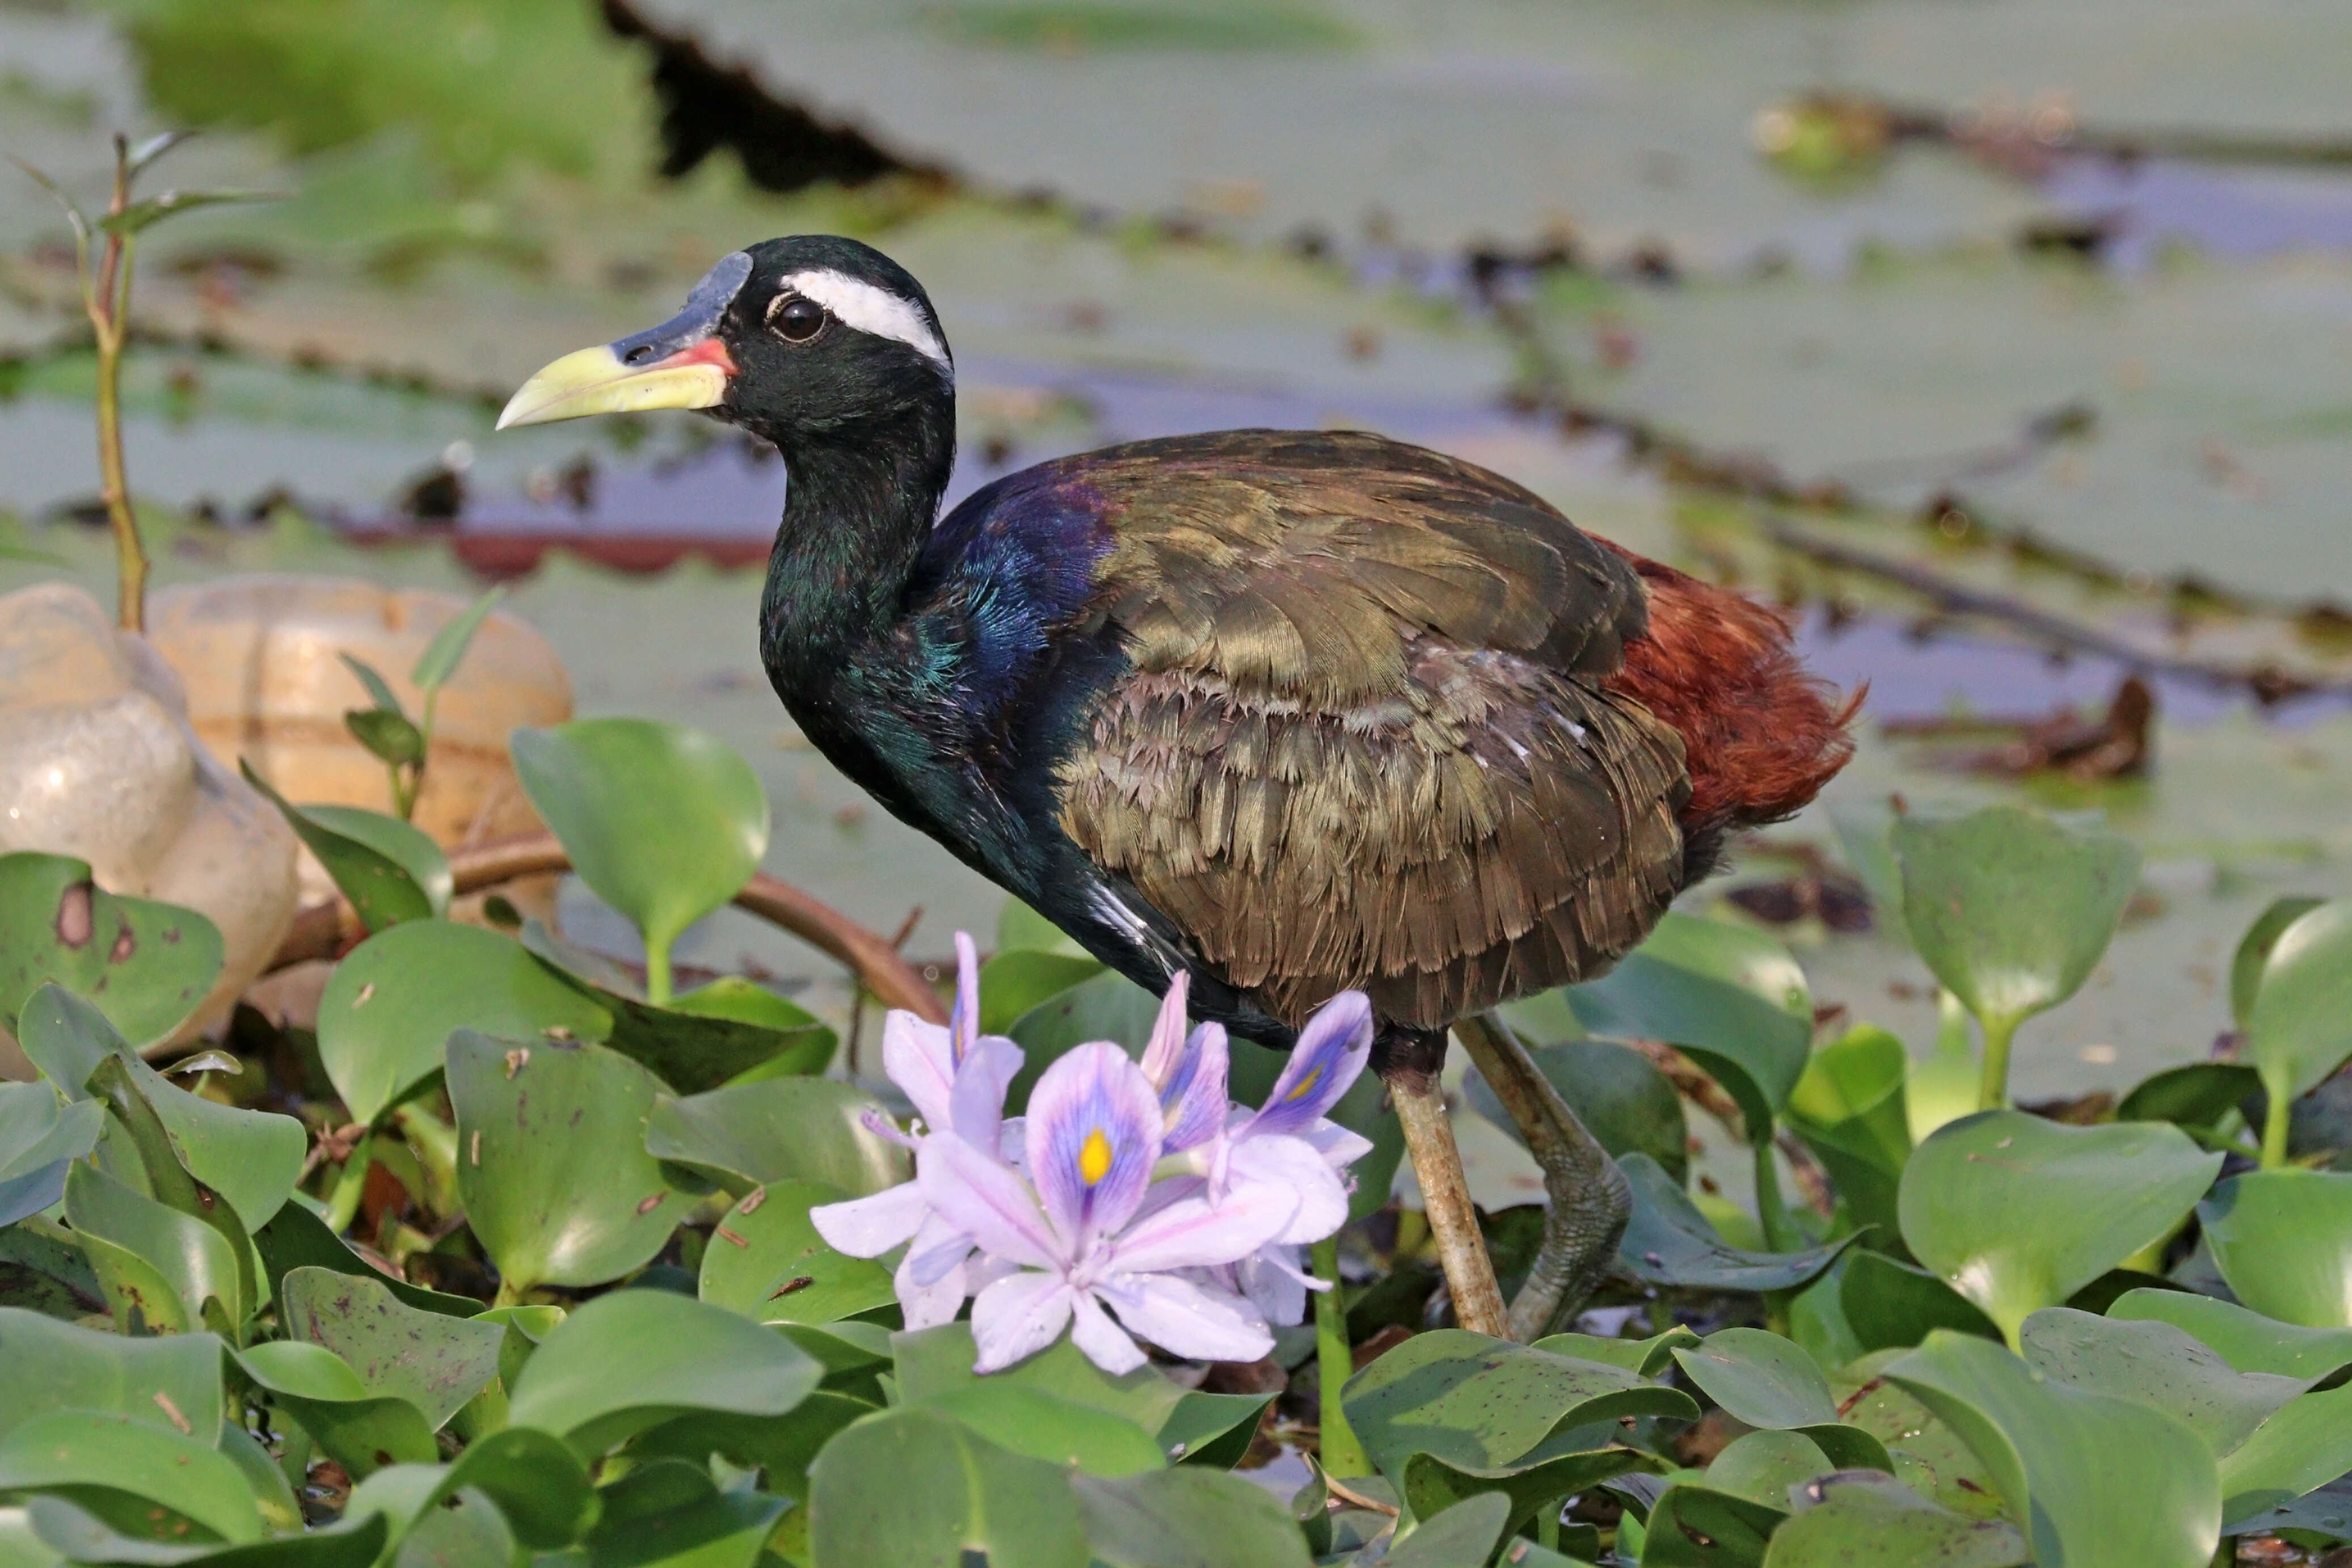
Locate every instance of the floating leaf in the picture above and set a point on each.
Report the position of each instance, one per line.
(1163, 1519)
(2305, 1445)
(1929, 1456)
(388, 1009)
(664, 822)
(82, 1537)
(936, 1363)
(766, 1261)
(808, 1044)
(553, 1170)
(2247, 1341)
(146, 966)
(723, 1032)
(917, 1487)
(2283, 1239)
(1669, 1242)
(133, 1476)
(2254, 952)
(632, 1359)
(1887, 1303)
(435, 1362)
(2017, 1213)
(1856, 1519)
(169, 1180)
(540, 1487)
(171, 1382)
(39, 1138)
(1623, 1100)
(775, 1131)
(441, 657)
(360, 1430)
(1431, 1485)
(2052, 1453)
(389, 870)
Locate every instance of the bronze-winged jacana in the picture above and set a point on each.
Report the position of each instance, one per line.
(1289, 710)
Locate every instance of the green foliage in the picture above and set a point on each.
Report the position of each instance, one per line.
(146, 966)
(2284, 1241)
(389, 870)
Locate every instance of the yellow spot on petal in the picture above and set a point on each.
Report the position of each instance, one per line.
(1094, 1157)
(1306, 1085)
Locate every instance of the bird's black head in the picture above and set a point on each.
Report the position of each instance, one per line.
(812, 336)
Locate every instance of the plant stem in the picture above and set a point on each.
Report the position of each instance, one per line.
(424, 759)
(344, 1203)
(109, 305)
(1998, 1033)
(1445, 1199)
(657, 975)
(1342, 1455)
(2276, 1117)
(1771, 1212)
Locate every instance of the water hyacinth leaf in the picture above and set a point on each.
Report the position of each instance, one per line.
(1172, 1518)
(169, 1180)
(936, 1363)
(2326, 1512)
(1763, 1466)
(775, 1131)
(188, 1260)
(1649, 1357)
(360, 1431)
(1031, 1422)
(141, 1479)
(75, 1534)
(442, 656)
(1431, 1485)
(539, 1485)
(2253, 952)
(1022, 929)
(2194, 1094)
(2283, 1239)
(1109, 1006)
(1011, 983)
(39, 1138)
(435, 1362)
(171, 1381)
(2306, 1444)
(1464, 1537)
(297, 1238)
(43, 1271)
(807, 1043)
(389, 1007)
(2246, 1340)
(781, 1449)
(1698, 1527)
(2300, 1031)
(146, 966)
(1889, 1303)
(2050, 1451)
(379, 690)
(2010, 910)
(2160, 1366)
(728, 1035)
(1623, 1100)
(668, 1511)
(387, 735)
(919, 1488)
(766, 1261)
(664, 822)
(552, 1169)
(1730, 997)
(389, 870)
(1850, 1110)
(1480, 1403)
(632, 1359)
(1759, 1378)
(1858, 1519)
(2017, 1213)
(1669, 1242)
(1212, 1430)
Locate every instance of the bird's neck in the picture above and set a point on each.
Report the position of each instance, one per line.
(857, 513)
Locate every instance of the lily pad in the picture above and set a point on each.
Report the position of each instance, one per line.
(435, 1362)
(1669, 1242)
(145, 965)
(2283, 1239)
(766, 1261)
(553, 1169)
(2246, 1340)
(664, 822)
(39, 1138)
(171, 1381)
(1861, 1520)
(2018, 1214)
(777, 1129)
(389, 1009)
(136, 1477)
(360, 1430)
(390, 870)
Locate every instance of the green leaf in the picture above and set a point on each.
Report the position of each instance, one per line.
(917, 1489)
(1109, 1006)
(2306, 1444)
(1481, 1404)
(2254, 952)
(1020, 928)
(2009, 909)
(1669, 1242)
(187, 1258)
(1464, 1537)
(2017, 1213)
(39, 1138)
(172, 1382)
(131, 1474)
(386, 735)
(139, 215)
(1212, 1430)
(146, 966)
(297, 1238)
(1649, 1357)
(1763, 1466)
(780, 1448)
(664, 822)
(2194, 1094)
(1698, 1527)
(671, 1514)
(388, 1009)
(1929, 1456)
(439, 660)
(1857, 1519)
(435, 1362)
(807, 1045)
(171, 1183)
(1851, 1110)
(379, 690)
(359, 1430)
(389, 870)
(83, 1537)
(731, 1036)
(1767, 1381)
(2300, 1031)
(632, 1359)
(539, 1485)
(1431, 1485)
(2053, 1454)
(1729, 997)
(766, 1261)
(553, 1170)
(1029, 1421)
(1186, 1518)
(2283, 1239)
(2158, 1365)
(2327, 1512)
(1011, 983)
(935, 1364)
(1888, 1303)
(1623, 1100)
(775, 1131)
(2247, 1341)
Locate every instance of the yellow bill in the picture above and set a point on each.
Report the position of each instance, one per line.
(598, 380)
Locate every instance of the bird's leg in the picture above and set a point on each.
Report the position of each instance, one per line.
(1409, 1061)
(1590, 1200)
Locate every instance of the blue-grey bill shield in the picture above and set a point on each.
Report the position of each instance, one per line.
(681, 363)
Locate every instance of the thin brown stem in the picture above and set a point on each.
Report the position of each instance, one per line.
(109, 304)
(1445, 1199)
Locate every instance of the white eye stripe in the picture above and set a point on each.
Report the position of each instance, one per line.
(870, 309)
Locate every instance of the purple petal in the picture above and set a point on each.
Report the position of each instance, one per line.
(976, 1104)
(1338, 1147)
(936, 1251)
(987, 1201)
(1194, 1234)
(1016, 1317)
(1104, 1342)
(1193, 1101)
(920, 1061)
(928, 1305)
(870, 1226)
(1331, 1050)
(1271, 1281)
(963, 1022)
(1167, 1043)
(1292, 1165)
(1188, 1319)
(1092, 1137)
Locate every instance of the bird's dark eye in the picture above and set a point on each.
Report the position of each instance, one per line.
(796, 320)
